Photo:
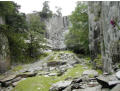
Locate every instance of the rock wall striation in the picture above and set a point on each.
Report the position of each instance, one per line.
(104, 32)
(4, 50)
(57, 27)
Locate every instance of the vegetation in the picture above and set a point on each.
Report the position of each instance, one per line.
(8, 7)
(46, 12)
(36, 30)
(19, 32)
(26, 37)
(42, 83)
(77, 38)
(14, 29)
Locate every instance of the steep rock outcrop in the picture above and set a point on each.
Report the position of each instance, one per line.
(4, 51)
(104, 32)
(57, 27)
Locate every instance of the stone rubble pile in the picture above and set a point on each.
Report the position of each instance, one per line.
(61, 66)
(87, 83)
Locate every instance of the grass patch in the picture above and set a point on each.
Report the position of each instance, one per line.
(17, 68)
(73, 72)
(38, 83)
(99, 71)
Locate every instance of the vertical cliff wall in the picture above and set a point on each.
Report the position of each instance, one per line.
(57, 27)
(104, 32)
(4, 50)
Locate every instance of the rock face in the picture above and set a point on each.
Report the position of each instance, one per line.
(57, 27)
(104, 33)
(4, 51)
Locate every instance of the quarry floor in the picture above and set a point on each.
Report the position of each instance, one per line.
(48, 71)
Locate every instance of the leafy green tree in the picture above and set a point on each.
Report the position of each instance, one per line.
(36, 34)
(14, 29)
(46, 12)
(77, 38)
(8, 7)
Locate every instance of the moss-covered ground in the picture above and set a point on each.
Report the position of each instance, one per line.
(43, 83)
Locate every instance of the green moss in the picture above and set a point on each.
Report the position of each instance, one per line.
(41, 56)
(98, 61)
(17, 68)
(41, 83)
(99, 71)
(73, 72)
(1, 76)
(38, 83)
(96, 18)
(91, 76)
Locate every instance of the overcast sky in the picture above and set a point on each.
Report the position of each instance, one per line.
(28, 6)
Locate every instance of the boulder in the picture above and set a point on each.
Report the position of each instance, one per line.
(118, 74)
(106, 82)
(59, 86)
(90, 72)
(116, 88)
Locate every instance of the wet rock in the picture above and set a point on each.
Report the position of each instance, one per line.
(59, 86)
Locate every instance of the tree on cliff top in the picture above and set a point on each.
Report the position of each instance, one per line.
(46, 12)
(8, 7)
(77, 38)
